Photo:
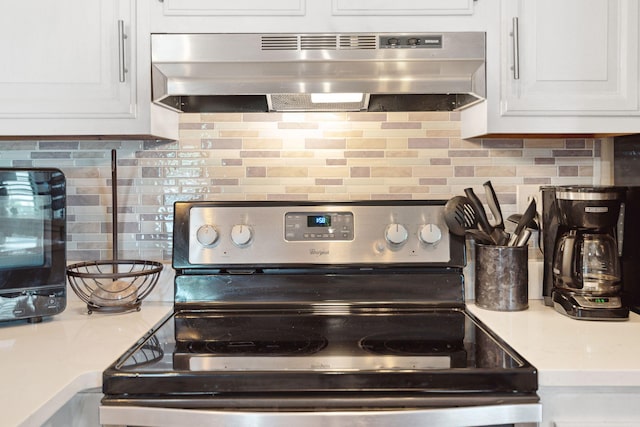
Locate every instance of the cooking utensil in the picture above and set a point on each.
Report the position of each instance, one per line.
(459, 215)
(498, 236)
(527, 216)
(116, 285)
(524, 237)
(461, 218)
(494, 205)
(483, 221)
(501, 236)
(515, 218)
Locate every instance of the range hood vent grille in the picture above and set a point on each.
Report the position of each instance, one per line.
(358, 42)
(319, 42)
(280, 43)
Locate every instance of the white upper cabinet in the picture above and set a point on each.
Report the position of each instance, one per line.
(52, 50)
(72, 68)
(562, 67)
(402, 7)
(307, 16)
(236, 7)
(573, 57)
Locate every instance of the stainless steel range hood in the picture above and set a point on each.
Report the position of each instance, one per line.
(286, 72)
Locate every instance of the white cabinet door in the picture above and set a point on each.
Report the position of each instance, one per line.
(78, 67)
(65, 59)
(571, 56)
(402, 7)
(578, 63)
(589, 406)
(237, 7)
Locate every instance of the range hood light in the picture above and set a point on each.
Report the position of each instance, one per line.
(335, 98)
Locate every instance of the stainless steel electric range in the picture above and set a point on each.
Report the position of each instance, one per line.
(347, 313)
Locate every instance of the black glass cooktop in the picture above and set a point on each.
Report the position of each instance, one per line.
(319, 349)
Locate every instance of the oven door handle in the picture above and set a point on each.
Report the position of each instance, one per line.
(521, 414)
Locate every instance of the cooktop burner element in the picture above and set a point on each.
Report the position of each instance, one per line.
(299, 309)
(403, 343)
(259, 342)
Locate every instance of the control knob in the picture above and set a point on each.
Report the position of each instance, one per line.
(241, 234)
(207, 235)
(396, 234)
(430, 234)
(393, 41)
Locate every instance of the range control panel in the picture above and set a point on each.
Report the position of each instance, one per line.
(411, 41)
(329, 234)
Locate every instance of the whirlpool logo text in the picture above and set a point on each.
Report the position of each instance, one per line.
(318, 252)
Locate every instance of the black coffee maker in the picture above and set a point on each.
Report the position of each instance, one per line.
(582, 242)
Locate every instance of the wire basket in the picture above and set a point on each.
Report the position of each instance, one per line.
(113, 286)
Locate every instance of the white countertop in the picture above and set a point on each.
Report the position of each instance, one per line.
(570, 352)
(44, 365)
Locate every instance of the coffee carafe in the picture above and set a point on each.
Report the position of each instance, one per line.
(587, 262)
(586, 252)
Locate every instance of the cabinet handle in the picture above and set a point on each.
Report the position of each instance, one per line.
(121, 53)
(516, 49)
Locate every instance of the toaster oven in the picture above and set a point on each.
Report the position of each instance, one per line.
(32, 243)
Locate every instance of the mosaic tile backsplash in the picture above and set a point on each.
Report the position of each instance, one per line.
(281, 156)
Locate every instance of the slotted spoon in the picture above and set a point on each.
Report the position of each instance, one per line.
(460, 216)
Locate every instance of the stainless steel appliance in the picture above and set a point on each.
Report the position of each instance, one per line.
(583, 229)
(32, 243)
(318, 72)
(316, 314)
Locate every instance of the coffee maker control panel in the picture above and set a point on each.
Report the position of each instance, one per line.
(586, 307)
(598, 302)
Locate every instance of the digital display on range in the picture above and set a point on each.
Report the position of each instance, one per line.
(318, 226)
(319, 221)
